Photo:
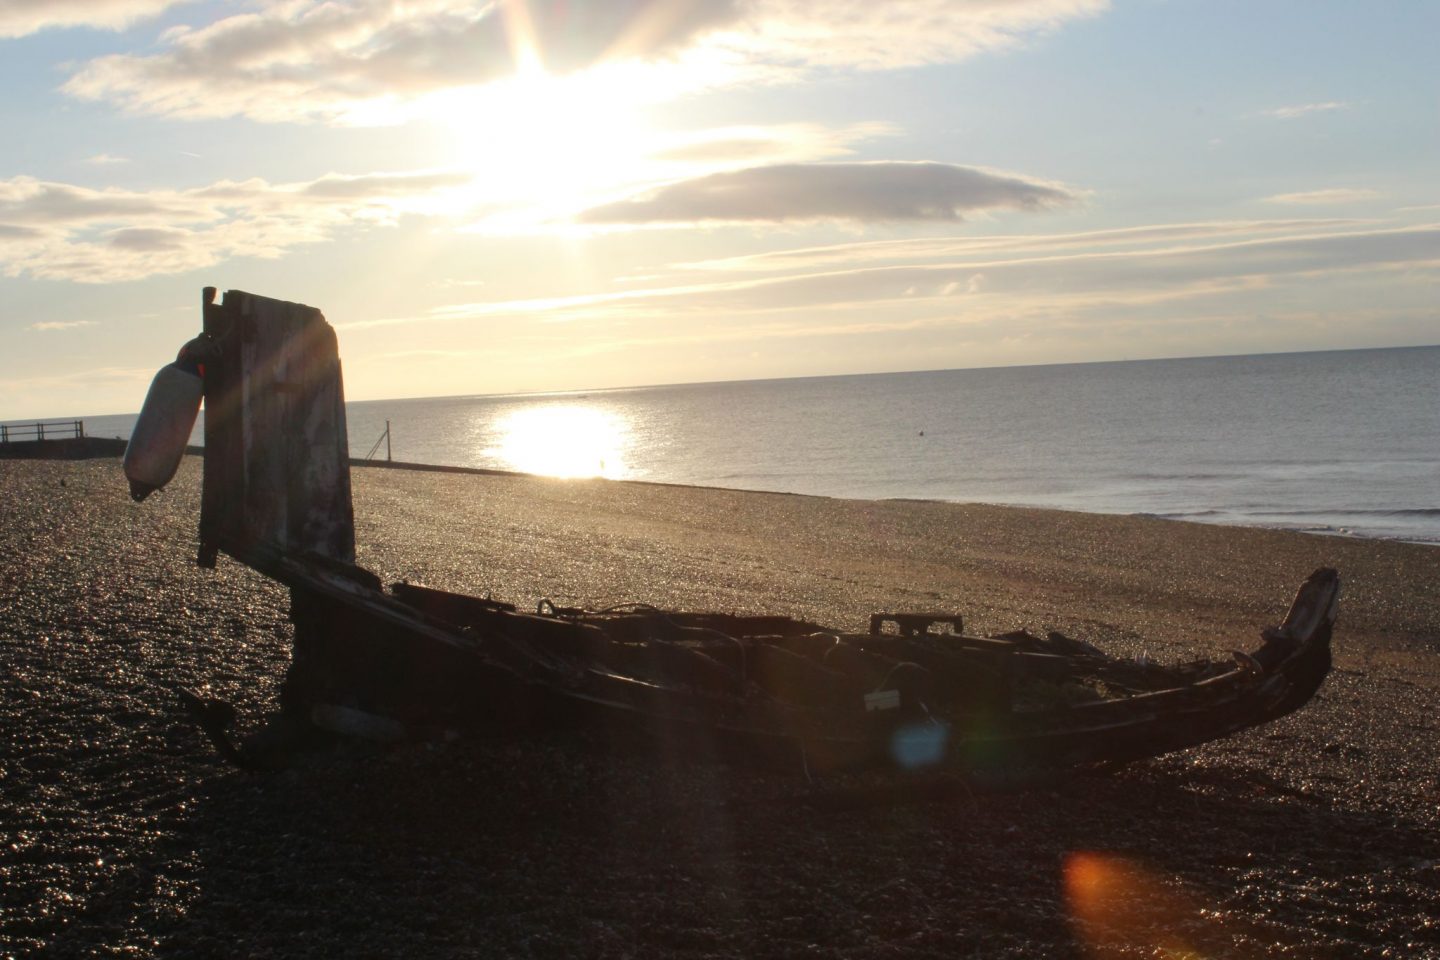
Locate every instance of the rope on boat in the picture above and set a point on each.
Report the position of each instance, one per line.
(891, 672)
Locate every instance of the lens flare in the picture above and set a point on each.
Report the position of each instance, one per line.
(1117, 906)
(919, 745)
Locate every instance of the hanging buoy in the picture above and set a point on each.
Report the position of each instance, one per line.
(162, 430)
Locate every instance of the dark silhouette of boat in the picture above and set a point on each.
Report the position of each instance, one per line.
(914, 692)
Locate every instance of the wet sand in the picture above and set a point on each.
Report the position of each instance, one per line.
(122, 834)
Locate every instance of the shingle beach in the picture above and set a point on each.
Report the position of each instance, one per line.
(123, 834)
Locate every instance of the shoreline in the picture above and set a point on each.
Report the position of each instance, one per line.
(495, 471)
(101, 447)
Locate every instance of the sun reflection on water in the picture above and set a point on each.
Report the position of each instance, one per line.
(562, 440)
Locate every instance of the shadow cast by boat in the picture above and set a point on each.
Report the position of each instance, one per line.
(550, 847)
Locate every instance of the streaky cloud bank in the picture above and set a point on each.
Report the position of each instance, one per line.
(1306, 109)
(881, 191)
(1026, 280)
(922, 249)
(49, 325)
(1333, 196)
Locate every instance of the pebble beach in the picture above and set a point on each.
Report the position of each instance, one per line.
(123, 834)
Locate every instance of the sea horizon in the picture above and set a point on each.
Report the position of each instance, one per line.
(1328, 441)
(570, 391)
(889, 373)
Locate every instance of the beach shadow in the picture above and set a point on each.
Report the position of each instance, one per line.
(549, 847)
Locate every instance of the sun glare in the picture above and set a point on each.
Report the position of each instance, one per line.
(562, 440)
(542, 146)
(546, 143)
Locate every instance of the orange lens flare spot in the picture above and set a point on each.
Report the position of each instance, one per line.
(1087, 875)
(1116, 904)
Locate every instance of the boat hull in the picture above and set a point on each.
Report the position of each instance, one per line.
(440, 664)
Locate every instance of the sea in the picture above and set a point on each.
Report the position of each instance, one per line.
(1342, 443)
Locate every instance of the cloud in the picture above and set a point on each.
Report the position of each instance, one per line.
(328, 59)
(930, 249)
(725, 147)
(1160, 290)
(337, 187)
(862, 192)
(1305, 109)
(146, 239)
(1033, 280)
(861, 34)
(535, 186)
(19, 18)
(360, 61)
(1336, 195)
(90, 380)
(62, 324)
(105, 160)
(24, 200)
(65, 232)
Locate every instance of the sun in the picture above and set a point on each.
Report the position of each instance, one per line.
(540, 142)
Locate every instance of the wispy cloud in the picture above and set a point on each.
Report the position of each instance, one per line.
(392, 355)
(1163, 289)
(1151, 274)
(336, 186)
(863, 192)
(21, 17)
(1332, 196)
(106, 160)
(63, 231)
(92, 378)
(1306, 109)
(729, 147)
(873, 36)
(932, 249)
(369, 60)
(61, 324)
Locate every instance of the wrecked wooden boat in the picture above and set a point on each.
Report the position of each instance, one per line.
(913, 692)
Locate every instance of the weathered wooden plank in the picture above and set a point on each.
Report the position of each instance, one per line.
(277, 470)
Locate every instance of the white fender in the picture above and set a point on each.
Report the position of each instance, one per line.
(163, 429)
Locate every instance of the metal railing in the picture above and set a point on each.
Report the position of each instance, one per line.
(46, 430)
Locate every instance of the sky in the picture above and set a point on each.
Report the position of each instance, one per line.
(567, 195)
